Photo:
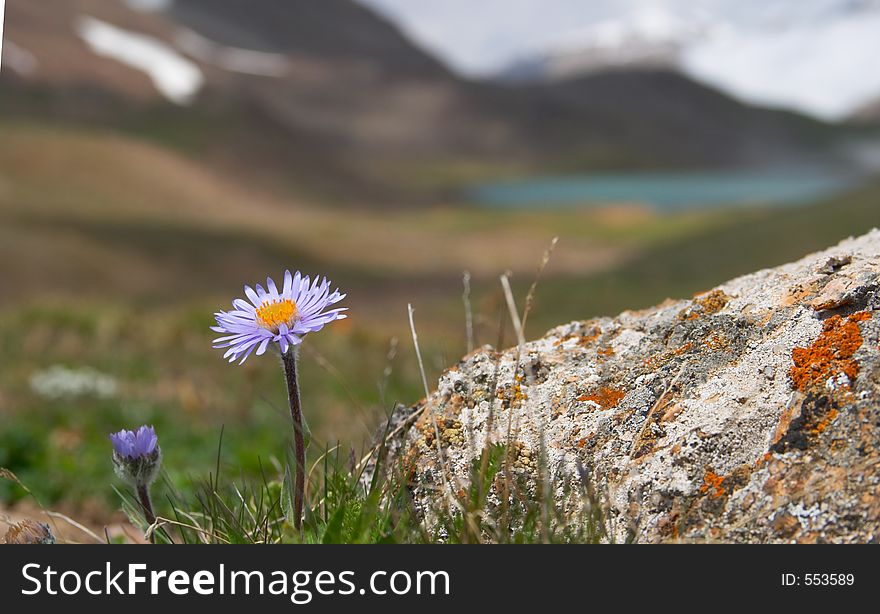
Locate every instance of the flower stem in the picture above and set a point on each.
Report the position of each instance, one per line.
(289, 360)
(143, 491)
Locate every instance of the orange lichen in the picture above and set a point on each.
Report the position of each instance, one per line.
(830, 355)
(512, 396)
(582, 340)
(716, 342)
(605, 397)
(861, 316)
(705, 304)
(822, 424)
(664, 357)
(585, 340)
(683, 349)
(713, 485)
(713, 302)
(763, 460)
(605, 351)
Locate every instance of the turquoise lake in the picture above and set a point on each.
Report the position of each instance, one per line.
(664, 191)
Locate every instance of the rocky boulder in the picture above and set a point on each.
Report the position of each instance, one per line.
(749, 413)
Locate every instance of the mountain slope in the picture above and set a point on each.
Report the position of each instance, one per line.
(805, 57)
(868, 113)
(330, 30)
(333, 100)
(659, 118)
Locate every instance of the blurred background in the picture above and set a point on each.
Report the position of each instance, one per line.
(155, 155)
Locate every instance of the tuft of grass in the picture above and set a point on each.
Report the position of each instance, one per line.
(345, 505)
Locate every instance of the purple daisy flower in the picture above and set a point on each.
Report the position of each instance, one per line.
(272, 316)
(129, 444)
(136, 459)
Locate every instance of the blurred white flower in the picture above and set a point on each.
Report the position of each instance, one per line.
(58, 382)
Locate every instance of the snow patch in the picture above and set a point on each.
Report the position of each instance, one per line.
(176, 78)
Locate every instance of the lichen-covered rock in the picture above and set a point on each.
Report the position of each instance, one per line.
(750, 413)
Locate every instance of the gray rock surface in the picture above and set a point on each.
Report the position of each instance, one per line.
(749, 413)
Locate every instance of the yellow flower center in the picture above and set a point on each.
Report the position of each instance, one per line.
(273, 314)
